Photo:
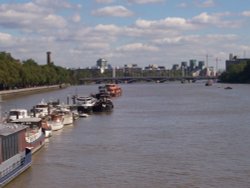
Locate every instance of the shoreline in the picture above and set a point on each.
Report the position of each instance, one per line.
(6, 94)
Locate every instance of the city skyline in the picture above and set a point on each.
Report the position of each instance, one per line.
(142, 32)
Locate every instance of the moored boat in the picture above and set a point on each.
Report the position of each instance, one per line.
(17, 113)
(65, 111)
(84, 115)
(15, 157)
(46, 128)
(114, 90)
(85, 103)
(41, 109)
(209, 83)
(55, 121)
(103, 104)
(34, 135)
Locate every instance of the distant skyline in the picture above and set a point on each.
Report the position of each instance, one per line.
(143, 32)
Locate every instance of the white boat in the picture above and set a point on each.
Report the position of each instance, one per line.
(64, 110)
(84, 115)
(209, 83)
(55, 121)
(67, 115)
(41, 109)
(85, 103)
(47, 129)
(34, 136)
(15, 157)
(17, 113)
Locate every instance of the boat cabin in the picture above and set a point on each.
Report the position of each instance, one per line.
(17, 114)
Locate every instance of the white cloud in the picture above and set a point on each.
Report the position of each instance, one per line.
(137, 47)
(5, 37)
(104, 1)
(205, 4)
(246, 13)
(163, 41)
(117, 11)
(145, 1)
(205, 19)
(169, 22)
(182, 5)
(76, 18)
(56, 4)
(29, 17)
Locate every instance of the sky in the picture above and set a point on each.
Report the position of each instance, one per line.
(142, 32)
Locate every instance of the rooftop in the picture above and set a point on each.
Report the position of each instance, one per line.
(10, 128)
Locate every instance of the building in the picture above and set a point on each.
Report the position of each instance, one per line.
(132, 70)
(102, 64)
(201, 65)
(192, 64)
(175, 67)
(235, 60)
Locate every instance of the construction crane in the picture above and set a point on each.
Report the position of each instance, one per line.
(207, 56)
(217, 60)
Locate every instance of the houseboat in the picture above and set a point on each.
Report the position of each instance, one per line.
(34, 136)
(14, 156)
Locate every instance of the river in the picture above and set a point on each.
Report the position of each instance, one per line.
(168, 135)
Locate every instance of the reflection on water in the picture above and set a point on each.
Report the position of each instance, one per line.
(159, 135)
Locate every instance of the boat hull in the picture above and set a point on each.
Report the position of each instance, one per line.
(37, 144)
(103, 106)
(24, 165)
(55, 126)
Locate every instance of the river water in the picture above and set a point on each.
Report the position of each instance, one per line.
(167, 135)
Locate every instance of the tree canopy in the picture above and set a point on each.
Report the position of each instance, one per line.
(17, 74)
(237, 73)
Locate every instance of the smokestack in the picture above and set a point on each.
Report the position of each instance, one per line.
(48, 58)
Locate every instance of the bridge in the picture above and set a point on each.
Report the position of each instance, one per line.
(157, 79)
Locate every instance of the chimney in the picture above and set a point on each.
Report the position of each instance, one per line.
(48, 58)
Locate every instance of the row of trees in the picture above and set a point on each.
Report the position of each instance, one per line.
(237, 73)
(21, 74)
(17, 74)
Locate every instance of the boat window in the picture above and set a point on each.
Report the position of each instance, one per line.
(14, 113)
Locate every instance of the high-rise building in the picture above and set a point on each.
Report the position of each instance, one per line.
(201, 65)
(102, 64)
(192, 64)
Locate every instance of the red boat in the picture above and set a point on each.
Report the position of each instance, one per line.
(114, 90)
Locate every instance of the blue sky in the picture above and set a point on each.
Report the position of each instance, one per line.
(143, 32)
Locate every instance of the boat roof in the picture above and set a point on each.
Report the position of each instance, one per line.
(10, 128)
(18, 110)
(29, 119)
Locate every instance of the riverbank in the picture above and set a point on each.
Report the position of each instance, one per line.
(27, 91)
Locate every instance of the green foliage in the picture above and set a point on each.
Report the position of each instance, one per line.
(237, 73)
(16, 74)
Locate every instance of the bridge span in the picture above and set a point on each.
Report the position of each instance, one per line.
(158, 79)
